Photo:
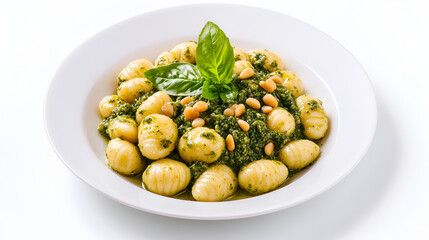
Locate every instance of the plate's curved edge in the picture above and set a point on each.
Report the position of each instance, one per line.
(237, 216)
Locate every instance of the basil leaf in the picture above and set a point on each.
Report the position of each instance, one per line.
(228, 94)
(176, 79)
(210, 91)
(215, 56)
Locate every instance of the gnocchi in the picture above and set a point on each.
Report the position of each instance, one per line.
(135, 69)
(124, 157)
(266, 59)
(291, 82)
(201, 144)
(157, 136)
(107, 104)
(281, 120)
(123, 127)
(240, 55)
(132, 89)
(313, 116)
(299, 153)
(184, 52)
(166, 177)
(262, 176)
(215, 184)
(152, 105)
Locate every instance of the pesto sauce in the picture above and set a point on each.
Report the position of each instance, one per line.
(249, 146)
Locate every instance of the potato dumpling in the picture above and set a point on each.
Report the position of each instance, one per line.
(165, 58)
(291, 82)
(313, 116)
(280, 120)
(240, 65)
(123, 127)
(124, 157)
(135, 69)
(299, 154)
(185, 52)
(152, 105)
(215, 184)
(201, 144)
(239, 54)
(266, 59)
(157, 136)
(134, 88)
(166, 177)
(108, 104)
(262, 176)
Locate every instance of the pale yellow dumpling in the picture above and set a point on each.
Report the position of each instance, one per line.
(280, 120)
(123, 127)
(135, 69)
(215, 184)
(108, 104)
(124, 157)
(166, 177)
(134, 88)
(299, 154)
(239, 66)
(201, 144)
(262, 176)
(152, 105)
(165, 58)
(239, 54)
(291, 82)
(157, 136)
(313, 116)
(185, 52)
(266, 59)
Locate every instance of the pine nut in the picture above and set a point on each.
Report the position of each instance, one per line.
(190, 113)
(268, 85)
(167, 109)
(201, 106)
(266, 109)
(234, 106)
(253, 103)
(268, 149)
(229, 112)
(270, 100)
(239, 110)
(198, 122)
(243, 125)
(186, 100)
(230, 144)
(276, 79)
(247, 73)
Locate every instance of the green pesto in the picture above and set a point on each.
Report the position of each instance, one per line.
(249, 146)
(313, 105)
(208, 135)
(148, 119)
(165, 143)
(197, 168)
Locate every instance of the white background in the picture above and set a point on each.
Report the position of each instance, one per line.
(385, 197)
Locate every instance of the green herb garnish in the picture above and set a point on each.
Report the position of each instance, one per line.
(212, 75)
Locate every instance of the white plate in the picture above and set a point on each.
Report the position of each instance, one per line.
(327, 69)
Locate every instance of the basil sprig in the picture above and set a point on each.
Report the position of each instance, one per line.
(212, 75)
(177, 79)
